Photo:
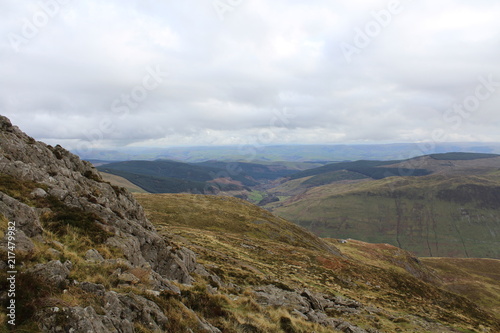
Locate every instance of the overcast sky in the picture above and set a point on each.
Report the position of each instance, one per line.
(199, 72)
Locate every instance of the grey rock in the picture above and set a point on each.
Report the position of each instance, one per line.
(153, 293)
(22, 242)
(272, 296)
(53, 252)
(38, 193)
(178, 266)
(81, 320)
(25, 217)
(135, 308)
(349, 328)
(298, 314)
(309, 306)
(315, 303)
(68, 264)
(93, 288)
(216, 281)
(159, 283)
(344, 301)
(128, 278)
(93, 255)
(58, 244)
(120, 313)
(318, 317)
(119, 261)
(53, 272)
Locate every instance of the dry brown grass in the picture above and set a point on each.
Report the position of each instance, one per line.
(375, 274)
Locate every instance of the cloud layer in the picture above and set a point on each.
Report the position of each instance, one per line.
(163, 73)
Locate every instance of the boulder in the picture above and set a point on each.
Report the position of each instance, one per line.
(94, 256)
(53, 272)
(81, 320)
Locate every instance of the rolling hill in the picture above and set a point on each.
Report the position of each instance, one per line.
(452, 210)
(163, 176)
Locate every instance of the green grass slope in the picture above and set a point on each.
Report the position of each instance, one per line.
(432, 216)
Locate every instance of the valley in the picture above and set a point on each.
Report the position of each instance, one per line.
(438, 205)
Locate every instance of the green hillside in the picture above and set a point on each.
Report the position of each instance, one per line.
(167, 169)
(176, 177)
(164, 176)
(154, 184)
(432, 215)
(370, 169)
(256, 171)
(419, 166)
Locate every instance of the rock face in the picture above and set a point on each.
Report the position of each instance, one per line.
(76, 185)
(313, 307)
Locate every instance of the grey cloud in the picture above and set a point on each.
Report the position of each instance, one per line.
(227, 79)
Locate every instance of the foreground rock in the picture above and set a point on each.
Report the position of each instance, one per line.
(70, 184)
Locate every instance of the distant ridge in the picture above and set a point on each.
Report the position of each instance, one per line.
(289, 153)
(462, 156)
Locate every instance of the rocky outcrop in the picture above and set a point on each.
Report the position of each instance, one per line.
(77, 184)
(53, 273)
(72, 185)
(317, 308)
(120, 313)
